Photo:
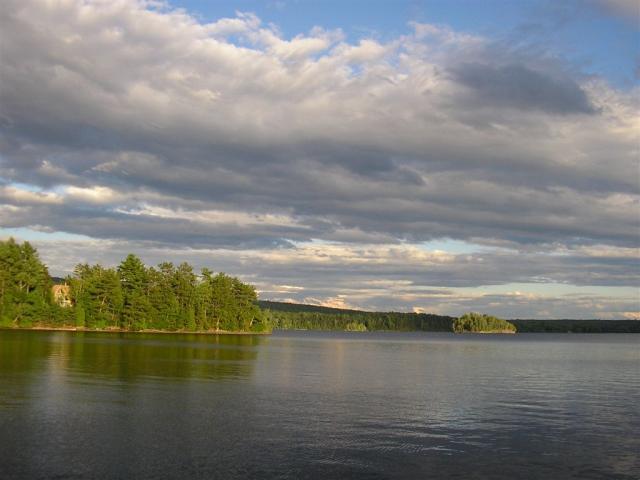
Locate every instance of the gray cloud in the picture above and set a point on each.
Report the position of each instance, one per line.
(519, 87)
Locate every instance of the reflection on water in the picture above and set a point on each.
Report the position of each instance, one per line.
(319, 405)
(127, 356)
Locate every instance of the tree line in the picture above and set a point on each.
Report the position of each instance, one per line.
(175, 298)
(477, 322)
(314, 317)
(130, 297)
(286, 316)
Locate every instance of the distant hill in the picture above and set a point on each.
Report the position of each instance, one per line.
(301, 307)
(292, 316)
(314, 317)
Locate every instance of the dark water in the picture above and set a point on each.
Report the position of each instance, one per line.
(319, 405)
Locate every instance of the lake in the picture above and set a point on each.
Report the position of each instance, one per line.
(319, 405)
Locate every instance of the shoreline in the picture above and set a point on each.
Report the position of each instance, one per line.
(489, 332)
(119, 330)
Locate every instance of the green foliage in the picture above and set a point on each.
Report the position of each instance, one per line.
(355, 327)
(25, 286)
(134, 281)
(131, 297)
(80, 316)
(162, 297)
(478, 322)
(97, 293)
(287, 316)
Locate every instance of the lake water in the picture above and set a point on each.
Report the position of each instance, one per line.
(319, 405)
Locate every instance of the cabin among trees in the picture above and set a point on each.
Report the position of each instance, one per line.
(129, 297)
(62, 295)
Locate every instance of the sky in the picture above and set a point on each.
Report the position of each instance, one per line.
(424, 156)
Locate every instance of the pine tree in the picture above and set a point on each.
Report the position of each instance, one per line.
(185, 290)
(25, 295)
(134, 281)
(131, 297)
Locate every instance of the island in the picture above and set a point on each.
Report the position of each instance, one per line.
(479, 323)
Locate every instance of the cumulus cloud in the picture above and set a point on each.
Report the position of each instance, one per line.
(139, 124)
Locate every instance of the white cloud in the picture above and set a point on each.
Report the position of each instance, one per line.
(21, 196)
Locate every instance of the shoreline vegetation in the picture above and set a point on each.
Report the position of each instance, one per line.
(131, 297)
(479, 323)
(174, 299)
(119, 330)
(307, 317)
(312, 317)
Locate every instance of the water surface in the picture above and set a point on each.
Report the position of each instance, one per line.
(319, 405)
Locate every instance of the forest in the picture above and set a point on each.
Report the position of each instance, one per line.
(479, 323)
(289, 316)
(131, 297)
(313, 317)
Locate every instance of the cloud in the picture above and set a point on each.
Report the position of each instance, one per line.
(519, 87)
(144, 126)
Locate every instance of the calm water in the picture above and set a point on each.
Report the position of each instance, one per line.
(319, 405)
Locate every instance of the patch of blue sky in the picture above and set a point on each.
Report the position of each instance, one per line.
(454, 246)
(587, 36)
(30, 235)
(29, 187)
(26, 186)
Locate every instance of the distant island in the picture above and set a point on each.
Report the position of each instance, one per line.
(479, 323)
(135, 298)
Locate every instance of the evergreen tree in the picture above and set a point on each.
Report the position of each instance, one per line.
(164, 304)
(185, 291)
(204, 307)
(131, 297)
(25, 285)
(96, 291)
(134, 281)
